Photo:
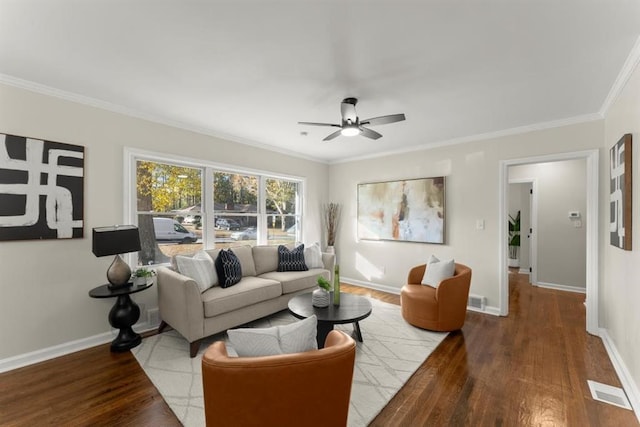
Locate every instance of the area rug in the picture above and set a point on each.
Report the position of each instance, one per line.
(391, 352)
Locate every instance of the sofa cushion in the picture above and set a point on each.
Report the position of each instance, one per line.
(265, 258)
(228, 268)
(294, 281)
(291, 260)
(245, 256)
(213, 253)
(200, 268)
(250, 290)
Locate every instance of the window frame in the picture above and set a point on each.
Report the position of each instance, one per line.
(130, 213)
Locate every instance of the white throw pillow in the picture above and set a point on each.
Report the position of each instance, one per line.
(200, 268)
(253, 342)
(293, 338)
(299, 336)
(313, 256)
(437, 271)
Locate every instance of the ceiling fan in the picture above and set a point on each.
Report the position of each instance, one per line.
(351, 123)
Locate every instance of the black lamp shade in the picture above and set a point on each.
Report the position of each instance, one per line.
(114, 240)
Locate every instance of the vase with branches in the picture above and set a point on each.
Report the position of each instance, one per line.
(331, 219)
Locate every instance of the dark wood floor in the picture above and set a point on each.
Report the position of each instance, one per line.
(527, 369)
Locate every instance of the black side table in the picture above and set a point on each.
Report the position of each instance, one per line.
(123, 315)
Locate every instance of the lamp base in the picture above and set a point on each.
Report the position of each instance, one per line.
(118, 273)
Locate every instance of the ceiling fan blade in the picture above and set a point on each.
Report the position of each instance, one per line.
(383, 120)
(369, 133)
(333, 135)
(319, 124)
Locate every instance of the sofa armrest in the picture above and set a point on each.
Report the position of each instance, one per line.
(329, 261)
(180, 304)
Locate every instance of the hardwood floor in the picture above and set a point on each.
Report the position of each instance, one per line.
(527, 369)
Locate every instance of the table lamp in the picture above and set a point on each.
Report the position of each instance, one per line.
(116, 240)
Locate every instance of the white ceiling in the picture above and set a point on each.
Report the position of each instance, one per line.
(249, 70)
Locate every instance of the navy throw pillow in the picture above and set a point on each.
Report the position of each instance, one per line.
(291, 260)
(228, 268)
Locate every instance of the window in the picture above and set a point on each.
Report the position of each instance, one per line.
(166, 195)
(183, 207)
(235, 206)
(282, 203)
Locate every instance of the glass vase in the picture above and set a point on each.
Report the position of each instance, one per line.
(336, 286)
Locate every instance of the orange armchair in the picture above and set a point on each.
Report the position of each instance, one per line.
(437, 309)
(311, 388)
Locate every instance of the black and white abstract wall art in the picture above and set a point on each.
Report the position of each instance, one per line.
(41, 189)
(620, 193)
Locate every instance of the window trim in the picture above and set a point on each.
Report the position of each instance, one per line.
(129, 213)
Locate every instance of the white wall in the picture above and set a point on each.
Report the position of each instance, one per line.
(620, 281)
(561, 247)
(472, 174)
(44, 284)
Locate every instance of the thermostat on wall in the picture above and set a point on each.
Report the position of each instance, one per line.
(574, 214)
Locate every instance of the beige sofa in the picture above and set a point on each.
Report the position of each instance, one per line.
(262, 291)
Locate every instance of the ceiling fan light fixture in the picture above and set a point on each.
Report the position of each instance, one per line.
(350, 131)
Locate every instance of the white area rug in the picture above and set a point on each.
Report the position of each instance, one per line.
(391, 352)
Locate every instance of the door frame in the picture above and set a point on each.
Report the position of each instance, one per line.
(592, 159)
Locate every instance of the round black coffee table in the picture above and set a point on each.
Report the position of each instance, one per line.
(352, 309)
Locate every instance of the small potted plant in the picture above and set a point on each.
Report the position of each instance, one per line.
(143, 276)
(320, 297)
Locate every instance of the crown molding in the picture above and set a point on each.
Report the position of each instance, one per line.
(482, 137)
(115, 108)
(630, 65)
(623, 77)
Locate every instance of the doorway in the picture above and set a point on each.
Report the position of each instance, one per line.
(521, 195)
(591, 225)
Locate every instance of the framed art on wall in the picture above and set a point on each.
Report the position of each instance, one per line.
(620, 193)
(410, 210)
(41, 189)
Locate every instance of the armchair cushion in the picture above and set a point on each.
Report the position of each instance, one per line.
(296, 337)
(437, 271)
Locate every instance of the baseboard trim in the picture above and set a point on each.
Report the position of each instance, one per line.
(561, 287)
(371, 285)
(629, 386)
(26, 359)
(488, 309)
(494, 311)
